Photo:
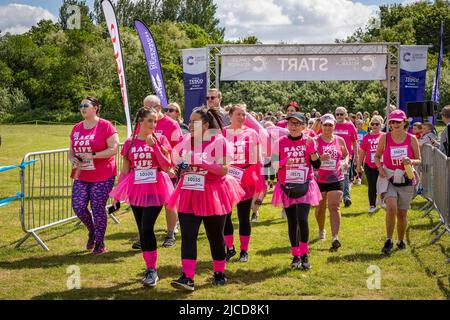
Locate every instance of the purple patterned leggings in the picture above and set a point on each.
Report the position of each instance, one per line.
(97, 193)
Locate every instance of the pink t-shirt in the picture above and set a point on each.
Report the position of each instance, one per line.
(369, 144)
(93, 140)
(296, 150)
(245, 144)
(282, 124)
(347, 131)
(310, 133)
(213, 151)
(394, 153)
(141, 155)
(170, 129)
(330, 170)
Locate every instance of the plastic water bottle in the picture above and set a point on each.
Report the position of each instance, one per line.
(409, 171)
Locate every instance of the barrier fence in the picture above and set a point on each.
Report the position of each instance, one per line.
(435, 174)
(46, 189)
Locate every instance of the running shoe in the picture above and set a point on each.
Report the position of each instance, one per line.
(372, 209)
(401, 245)
(388, 245)
(296, 261)
(322, 234)
(335, 245)
(230, 253)
(99, 249)
(358, 182)
(347, 203)
(255, 216)
(219, 279)
(169, 242)
(183, 283)
(150, 278)
(243, 257)
(304, 262)
(136, 245)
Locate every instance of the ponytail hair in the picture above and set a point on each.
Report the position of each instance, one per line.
(210, 116)
(141, 114)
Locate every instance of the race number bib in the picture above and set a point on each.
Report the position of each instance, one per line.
(158, 134)
(399, 153)
(297, 175)
(372, 157)
(328, 165)
(193, 181)
(236, 173)
(87, 164)
(341, 132)
(145, 176)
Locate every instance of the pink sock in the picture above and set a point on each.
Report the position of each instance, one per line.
(219, 266)
(295, 251)
(304, 248)
(244, 242)
(150, 258)
(229, 241)
(189, 267)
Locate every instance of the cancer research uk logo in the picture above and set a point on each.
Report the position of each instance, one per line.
(413, 57)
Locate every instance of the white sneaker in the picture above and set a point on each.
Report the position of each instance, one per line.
(177, 227)
(283, 214)
(358, 182)
(322, 234)
(372, 209)
(383, 205)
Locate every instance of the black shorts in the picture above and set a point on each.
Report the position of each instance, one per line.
(334, 186)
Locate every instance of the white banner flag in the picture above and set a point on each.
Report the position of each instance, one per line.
(113, 28)
(303, 67)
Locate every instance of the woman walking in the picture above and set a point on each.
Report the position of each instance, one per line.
(205, 193)
(93, 146)
(296, 190)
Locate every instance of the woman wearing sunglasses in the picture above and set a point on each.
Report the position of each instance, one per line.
(93, 146)
(367, 154)
(174, 111)
(398, 149)
(334, 159)
(146, 187)
(296, 190)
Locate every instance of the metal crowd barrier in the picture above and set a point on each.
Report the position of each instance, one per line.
(435, 169)
(46, 187)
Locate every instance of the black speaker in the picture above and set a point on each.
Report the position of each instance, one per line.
(420, 109)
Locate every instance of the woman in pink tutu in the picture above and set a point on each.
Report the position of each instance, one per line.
(330, 178)
(145, 185)
(205, 193)
(246, 169)
(296, 190)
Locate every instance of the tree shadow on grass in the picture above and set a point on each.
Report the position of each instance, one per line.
(75, 258)
(267, 223)
(362, 257)
(353, 214)
(271, 251)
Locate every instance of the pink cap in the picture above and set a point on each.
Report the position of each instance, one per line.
(397, 115)
(328, 118)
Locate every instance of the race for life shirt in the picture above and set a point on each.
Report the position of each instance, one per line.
(369, 145)
(169, 128)
(245, 144)
(394, 153)
(295, 148)
(282, 124)
(93, 140)
(141, 155)
(347, 131)
(330, 170)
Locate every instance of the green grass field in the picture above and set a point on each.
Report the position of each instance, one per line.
(32, 273)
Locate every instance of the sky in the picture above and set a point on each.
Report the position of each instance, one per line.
(271, 21)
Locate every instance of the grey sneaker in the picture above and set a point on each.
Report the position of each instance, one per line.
(305, 263)
(296, 261)
(243, 257)
(322, 234)
(255, 217)
(183, 283)
(219, 279)
(230, 253)
(168, 242)
(150, 278)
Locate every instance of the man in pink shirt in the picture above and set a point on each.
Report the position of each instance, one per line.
(347, 131)
(169, 128)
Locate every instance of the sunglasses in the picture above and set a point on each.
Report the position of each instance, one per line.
(375, 124)
(340, 114)
(171, 110)
(85, 105)
(211, 98)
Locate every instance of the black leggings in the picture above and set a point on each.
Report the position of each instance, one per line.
(145, 220)
(297, 216)
(245, 228)
(372, 176)
(190, 224)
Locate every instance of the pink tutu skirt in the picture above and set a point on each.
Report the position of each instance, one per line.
(312, 197)
(218, 198)
(252, 183)
(143, 195)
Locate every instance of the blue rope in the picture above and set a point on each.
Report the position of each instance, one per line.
(22, 165)
(4, 202)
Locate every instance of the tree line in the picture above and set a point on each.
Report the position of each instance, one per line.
(46, 71)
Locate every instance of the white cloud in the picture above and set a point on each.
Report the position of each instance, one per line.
(292, 21)
(19, 18)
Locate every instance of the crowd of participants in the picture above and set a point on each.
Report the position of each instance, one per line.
(231, 157)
